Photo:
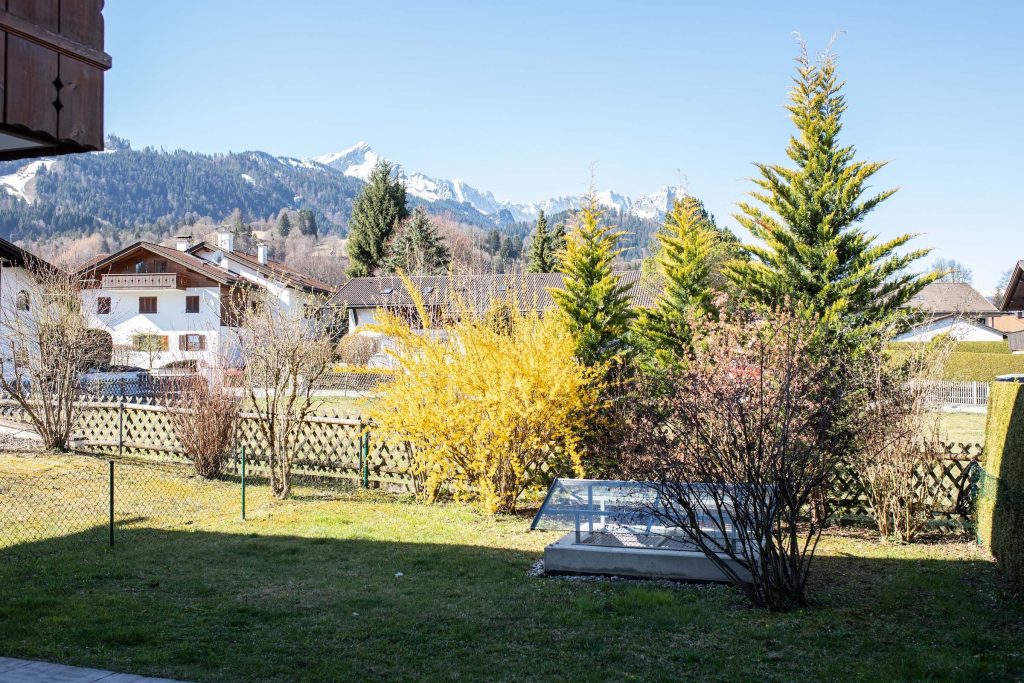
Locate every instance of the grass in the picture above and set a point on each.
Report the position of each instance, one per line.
(962, 427)
(308, 589)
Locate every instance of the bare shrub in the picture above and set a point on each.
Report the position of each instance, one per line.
(898, 430)
(45, 347)
(284, 351)
(203, 417)
(356, 349)
(750, 426)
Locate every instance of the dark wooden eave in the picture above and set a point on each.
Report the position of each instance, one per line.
(90, 270)
(11, 255)
(1013, 296)
(51, 77)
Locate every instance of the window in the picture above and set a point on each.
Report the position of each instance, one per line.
(147, 304)
(150, 343)
(191, 304)
(103, 305)
(22, 302)
(161, 266)
(192, 342)
(140, 266)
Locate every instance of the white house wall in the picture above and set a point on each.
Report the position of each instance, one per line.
(124, 322)
(959, 330)
(12, 281)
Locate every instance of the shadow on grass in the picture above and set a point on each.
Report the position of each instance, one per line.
(202, 605)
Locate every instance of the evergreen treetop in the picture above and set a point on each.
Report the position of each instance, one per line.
(686, 260)
(594, 302)
(379, 207)
(418, 249)
(813, 252)
(284, 225)
(542, 257)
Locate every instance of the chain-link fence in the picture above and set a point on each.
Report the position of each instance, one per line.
(48, 500)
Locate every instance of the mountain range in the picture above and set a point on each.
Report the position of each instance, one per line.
(358, 161)
(124, 189)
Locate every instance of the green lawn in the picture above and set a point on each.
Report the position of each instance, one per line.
(307, 590)
(962, 427)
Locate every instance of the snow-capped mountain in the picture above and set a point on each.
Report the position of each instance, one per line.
(358, 161)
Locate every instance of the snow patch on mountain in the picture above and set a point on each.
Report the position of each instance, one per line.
(22, 183)
(357, 161)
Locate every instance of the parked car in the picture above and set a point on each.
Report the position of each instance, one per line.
(1014, 377)
(118, 380)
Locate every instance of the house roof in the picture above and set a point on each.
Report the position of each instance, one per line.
(940, 298)
(272, 269)
(1013, 296)
(16, 256)
(194, 263)
(951, 318)
(532, 290)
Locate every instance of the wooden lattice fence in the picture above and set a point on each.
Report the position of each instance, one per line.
(348, 448)
(331, 445)
(948, 484)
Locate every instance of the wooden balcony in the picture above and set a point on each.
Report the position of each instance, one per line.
(143, 281)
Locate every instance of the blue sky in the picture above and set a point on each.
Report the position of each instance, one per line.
(522, 98)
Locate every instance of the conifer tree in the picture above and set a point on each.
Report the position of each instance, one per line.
(542, 257)
(379, 207)
(558, 242)
(814, 253)
(418, 249)
(686, 260)
(284, 225)
(595, 304)
(307, 223)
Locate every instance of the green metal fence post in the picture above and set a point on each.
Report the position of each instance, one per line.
(366, 460)
(111, 503)
(359, 473)
(243, 483)
(120, 429)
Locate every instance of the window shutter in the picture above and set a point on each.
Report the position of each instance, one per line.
(182, 342)
(202, 342)
(164, 342)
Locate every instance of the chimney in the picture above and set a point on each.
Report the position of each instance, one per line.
(184, 242)
(261, 253)
(226, 241)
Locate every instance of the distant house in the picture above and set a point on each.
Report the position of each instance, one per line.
(16, 267)
(166, 305)
(1013, 302)
(366, 296)
(956, 309)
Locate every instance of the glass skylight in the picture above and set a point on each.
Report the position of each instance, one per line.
(632, 514)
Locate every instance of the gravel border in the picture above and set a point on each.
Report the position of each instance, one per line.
(536, 571)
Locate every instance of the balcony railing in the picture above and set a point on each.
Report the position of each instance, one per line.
(142, 281)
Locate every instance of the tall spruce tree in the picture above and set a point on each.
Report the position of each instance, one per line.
(418, 249)
(284, 225)
(688, 254)
(543, 256)
(814, 254)
(307, 223)
(379, 207)
(595, 303)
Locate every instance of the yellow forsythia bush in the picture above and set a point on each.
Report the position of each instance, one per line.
(484, 399)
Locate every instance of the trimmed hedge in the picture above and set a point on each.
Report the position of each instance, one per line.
(974, 365)
(982, 367)
(1001, 499)
(982, 347)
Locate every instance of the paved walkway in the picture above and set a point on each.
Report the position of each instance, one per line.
(27, 671)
